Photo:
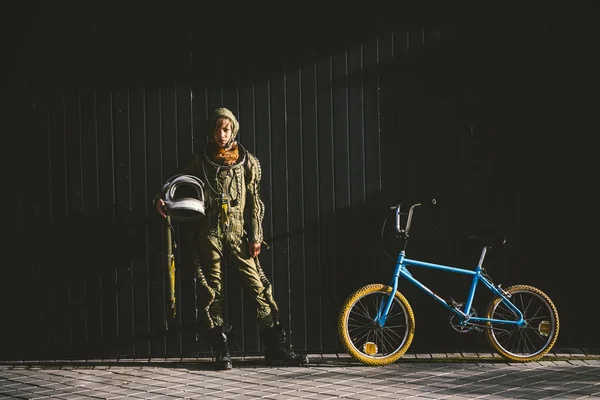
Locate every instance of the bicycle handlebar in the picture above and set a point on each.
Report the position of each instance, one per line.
(397, 207)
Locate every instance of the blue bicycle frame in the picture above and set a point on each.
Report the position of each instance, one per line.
(401, 269)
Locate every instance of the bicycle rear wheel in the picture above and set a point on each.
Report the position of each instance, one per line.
(532, 341)
(363, 338)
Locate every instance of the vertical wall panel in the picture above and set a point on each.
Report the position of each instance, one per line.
(279, 206)
(310, 200)
(58, 158)
(58, 164)
(155, 177)
(77, 268)
(122, 264)
(90, 262)
(389, 169)
(399, 113)
(230, 87)
(370, 91)
(413, 114)
(140, 208)
(247, 117)
(296, 266)
(106, 211)
(73, 152)
(342, 184)
(339, 83)
(199, 96)
(356, 133)
(215, 92)
(39, 263)
(326, 198)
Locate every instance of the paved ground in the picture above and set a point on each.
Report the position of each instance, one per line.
(566, 374)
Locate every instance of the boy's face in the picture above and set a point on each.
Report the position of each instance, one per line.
(222, 133)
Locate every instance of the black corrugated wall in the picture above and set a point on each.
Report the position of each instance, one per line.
(344, 126)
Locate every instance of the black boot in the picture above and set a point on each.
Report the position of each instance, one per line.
(218, 337)
(278, 350)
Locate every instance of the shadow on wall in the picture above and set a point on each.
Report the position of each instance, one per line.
(83, 246)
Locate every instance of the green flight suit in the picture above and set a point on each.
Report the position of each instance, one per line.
(221, 235)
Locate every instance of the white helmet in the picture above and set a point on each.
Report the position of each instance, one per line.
(184, 197)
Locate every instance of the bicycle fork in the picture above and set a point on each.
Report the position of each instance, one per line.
(386, 304)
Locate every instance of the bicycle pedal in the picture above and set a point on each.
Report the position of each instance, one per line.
(370, 348)
(545, 328)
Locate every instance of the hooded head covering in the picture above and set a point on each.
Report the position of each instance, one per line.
(222, 111)
(230, 153)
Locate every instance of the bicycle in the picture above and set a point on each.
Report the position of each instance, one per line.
(376, 324)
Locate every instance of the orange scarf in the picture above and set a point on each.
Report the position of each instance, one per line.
(223, 156)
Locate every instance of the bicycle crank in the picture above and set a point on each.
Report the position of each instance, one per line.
(456, 322)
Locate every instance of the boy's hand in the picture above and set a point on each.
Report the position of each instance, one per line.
(254, 249)
(160, 206)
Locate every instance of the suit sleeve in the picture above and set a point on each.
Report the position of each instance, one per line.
(255, 205)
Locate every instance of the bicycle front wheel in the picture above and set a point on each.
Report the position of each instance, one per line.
(363, 338)
(523, 343)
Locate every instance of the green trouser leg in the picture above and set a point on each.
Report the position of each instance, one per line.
(254, 282)
(205, 295)
(212, 254)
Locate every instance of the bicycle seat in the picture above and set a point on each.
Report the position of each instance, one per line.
(489, 241)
